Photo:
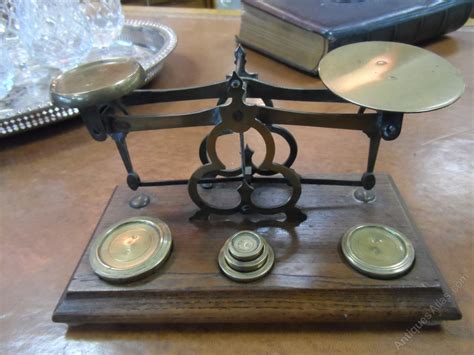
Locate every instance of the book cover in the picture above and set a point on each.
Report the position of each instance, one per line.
(340, 22)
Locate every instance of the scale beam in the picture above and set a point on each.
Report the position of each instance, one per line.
(379, 81)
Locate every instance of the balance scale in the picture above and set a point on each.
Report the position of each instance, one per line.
(260, 243)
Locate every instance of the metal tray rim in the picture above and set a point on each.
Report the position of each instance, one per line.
(37, 116)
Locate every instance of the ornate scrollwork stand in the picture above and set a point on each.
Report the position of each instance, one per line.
(286, 294)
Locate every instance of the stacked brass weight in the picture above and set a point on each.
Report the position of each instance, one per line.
(246, 256)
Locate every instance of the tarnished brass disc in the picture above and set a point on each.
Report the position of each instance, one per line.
(252, 268)
(245, 245)
(378, 250)
(390, 76)
(130, 249)
(250, 265)
(97, 82)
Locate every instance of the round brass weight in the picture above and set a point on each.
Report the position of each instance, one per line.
(97, 82)
(378, 251)
(245, 246)
(130, 249)
(390, 76)
(245, 257)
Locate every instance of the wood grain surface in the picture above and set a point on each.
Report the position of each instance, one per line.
(310, 281)
(56, 181)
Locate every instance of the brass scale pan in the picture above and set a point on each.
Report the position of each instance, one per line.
(390, 76)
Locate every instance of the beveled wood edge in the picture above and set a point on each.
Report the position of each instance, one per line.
(447, 293)
(234, 307)
(66, 290)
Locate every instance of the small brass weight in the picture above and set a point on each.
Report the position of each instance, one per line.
(384, 80)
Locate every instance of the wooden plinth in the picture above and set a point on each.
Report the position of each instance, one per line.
(310, 281)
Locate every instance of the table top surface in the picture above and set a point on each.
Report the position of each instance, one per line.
(55, 182)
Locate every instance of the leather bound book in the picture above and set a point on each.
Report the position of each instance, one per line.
(300, 32)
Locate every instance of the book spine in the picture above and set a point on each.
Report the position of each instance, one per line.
(413, 30)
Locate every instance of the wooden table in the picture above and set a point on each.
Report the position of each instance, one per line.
(55, 182)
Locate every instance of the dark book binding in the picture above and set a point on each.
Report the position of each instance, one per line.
(348, 21)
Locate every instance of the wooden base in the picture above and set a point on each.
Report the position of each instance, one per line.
(310, 281)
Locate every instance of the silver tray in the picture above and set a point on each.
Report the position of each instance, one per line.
(147, 41)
